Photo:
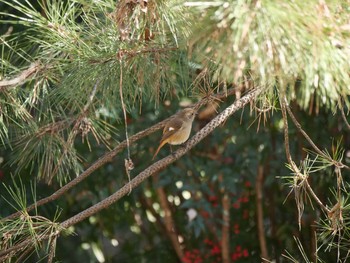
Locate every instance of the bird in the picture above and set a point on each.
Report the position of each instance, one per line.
(178, 129)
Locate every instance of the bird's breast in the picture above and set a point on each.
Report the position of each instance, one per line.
(181, 136)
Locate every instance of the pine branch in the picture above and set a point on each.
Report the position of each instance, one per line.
(278, 40)
(108, 157)
(52, 249)
(151, 170)
(299, 175)
(307, 137)
(129, 54)
(21, 78)
(161, 164)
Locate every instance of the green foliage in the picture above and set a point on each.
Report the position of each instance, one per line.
(287, 43)
(67, 113)
(79, 44)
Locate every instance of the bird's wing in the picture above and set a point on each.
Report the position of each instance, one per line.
(170, 128)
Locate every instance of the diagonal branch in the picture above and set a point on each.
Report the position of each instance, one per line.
(343, 115)
(169, 223)
(161, 164)
(307, 137)
(154, 168)
(108, 157)
(21, 78)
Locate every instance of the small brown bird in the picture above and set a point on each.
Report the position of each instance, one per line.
(178, 129)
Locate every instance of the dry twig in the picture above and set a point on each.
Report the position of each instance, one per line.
(21, 78)
(343, 115)
(299, 176)
(307, 137)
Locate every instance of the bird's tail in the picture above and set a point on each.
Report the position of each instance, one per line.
(159, 147)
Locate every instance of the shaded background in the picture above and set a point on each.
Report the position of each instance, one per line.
(230, 183)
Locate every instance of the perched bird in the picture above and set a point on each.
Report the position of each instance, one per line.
(178, 129)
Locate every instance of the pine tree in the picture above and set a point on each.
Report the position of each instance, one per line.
(80, 81)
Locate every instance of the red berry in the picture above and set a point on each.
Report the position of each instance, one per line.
(245, 253)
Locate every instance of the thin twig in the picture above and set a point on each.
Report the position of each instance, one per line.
(6, 34)
(74, 132)
(25, 254)
(124, 109)
(307, 137)
(91, 97)
(343, 115)
(127, 54)
(128, 162)
(289, 157)
(21, 78)
(52, 249)
(108, 157)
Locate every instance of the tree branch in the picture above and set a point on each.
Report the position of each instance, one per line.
(260, 213)
(169, 221)
(306, 136)
(343, 115)
(296, 170)
(154, 168)
(21, 78)
(108, 157)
